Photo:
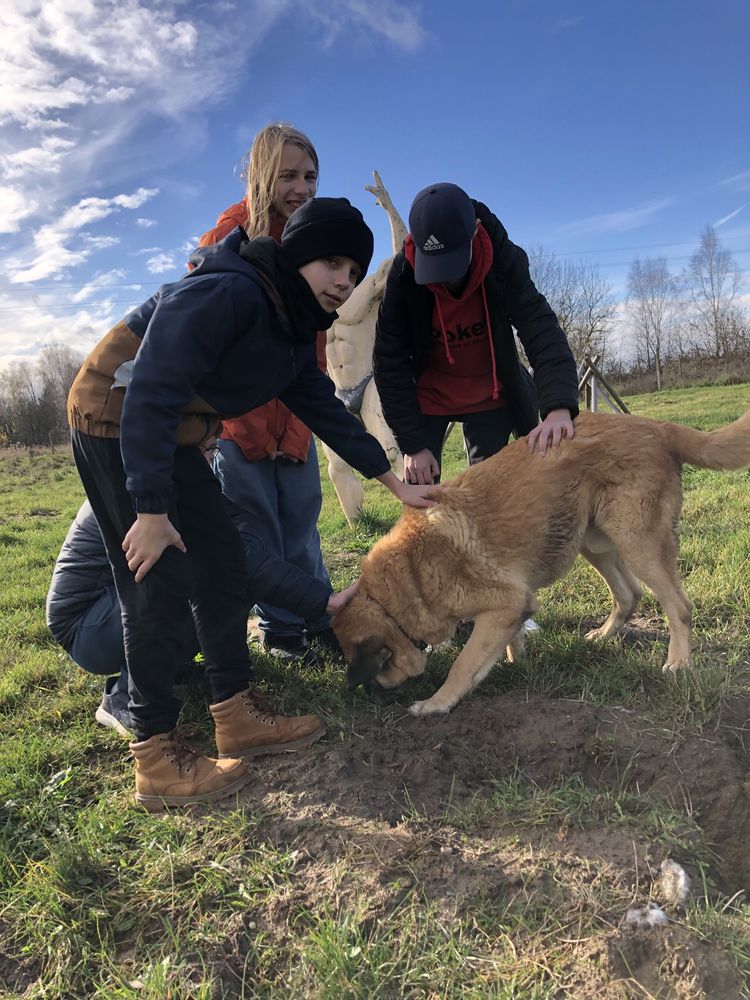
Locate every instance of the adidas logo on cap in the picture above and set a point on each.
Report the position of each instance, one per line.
(433, 243)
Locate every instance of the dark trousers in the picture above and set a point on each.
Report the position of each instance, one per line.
(97, 644)
(485, 433)
(210, 576)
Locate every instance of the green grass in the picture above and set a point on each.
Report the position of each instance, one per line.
(512, 885)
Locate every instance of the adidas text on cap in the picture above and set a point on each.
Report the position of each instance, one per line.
(442, 221)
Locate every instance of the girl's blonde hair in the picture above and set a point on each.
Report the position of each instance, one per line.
(261, 171)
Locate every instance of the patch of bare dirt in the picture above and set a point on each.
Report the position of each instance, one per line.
(16, 973)
(369, 811)
(671, 962)
(428, 767)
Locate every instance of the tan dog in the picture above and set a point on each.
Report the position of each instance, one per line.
(515, 523)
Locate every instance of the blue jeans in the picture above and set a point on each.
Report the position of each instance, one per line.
(282, 499)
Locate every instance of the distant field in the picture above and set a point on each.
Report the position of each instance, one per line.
(491, 853)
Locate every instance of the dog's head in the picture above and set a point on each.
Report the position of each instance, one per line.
(375, 647)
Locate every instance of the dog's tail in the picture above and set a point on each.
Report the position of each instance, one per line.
(725, 448)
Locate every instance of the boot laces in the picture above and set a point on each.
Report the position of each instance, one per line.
(180, 754)
(258, 707)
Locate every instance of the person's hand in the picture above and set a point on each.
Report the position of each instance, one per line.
(412, 496)
(146, 540)
(555, 426)
(421, 468)
(417, 496)
(337, 602)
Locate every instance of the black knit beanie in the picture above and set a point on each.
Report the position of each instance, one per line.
(327, 227)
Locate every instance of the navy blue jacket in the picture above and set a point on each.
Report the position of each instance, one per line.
(210, 345)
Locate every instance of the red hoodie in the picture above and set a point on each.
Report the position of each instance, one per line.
(460, 376)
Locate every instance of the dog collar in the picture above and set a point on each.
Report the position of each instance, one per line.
(419, 643)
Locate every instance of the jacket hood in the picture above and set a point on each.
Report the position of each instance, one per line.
(223, 257)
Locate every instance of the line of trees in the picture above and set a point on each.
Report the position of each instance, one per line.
(33, 397)
(692, 316)
(690, 325)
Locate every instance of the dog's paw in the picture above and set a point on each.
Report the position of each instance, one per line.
(672, 668)
(596, 635)
(429, 707)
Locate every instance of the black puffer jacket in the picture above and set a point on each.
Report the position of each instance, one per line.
(403, 340)
(81, 576)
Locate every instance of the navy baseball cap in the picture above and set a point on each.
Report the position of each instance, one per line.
(442, 221)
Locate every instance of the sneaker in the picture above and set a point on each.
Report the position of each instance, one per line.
(113, 711)
(246, 727)
(327, 643)
(290, 648)
(170, 773)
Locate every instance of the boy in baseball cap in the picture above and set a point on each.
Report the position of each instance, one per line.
(444, 344)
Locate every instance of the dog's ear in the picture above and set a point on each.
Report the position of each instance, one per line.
(369, 659)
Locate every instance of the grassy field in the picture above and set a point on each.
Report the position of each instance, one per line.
(491, 853)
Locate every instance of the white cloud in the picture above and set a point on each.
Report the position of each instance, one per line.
(739, 182)
(564, 23)
(393, 21)
(161, 263)
(52, 255)
(34, 326)
(44, 158)
(617, 222)
(94, 91)
(728, 218)
(14, 207)
(385, 19)
(103, 280)
(145, 223)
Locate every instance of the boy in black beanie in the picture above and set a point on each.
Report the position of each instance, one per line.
(235, 332)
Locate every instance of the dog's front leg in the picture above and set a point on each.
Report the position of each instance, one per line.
(493, 630)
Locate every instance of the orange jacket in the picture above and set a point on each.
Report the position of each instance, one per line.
(271, 428)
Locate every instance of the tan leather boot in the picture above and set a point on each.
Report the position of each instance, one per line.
(245, 727)
(169, 773)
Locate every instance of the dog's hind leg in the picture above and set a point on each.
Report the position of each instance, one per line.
(656, 564)
(493, 630)
(623, 586)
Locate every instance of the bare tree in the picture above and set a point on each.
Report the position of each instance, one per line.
(581, 298)
(653, 305)
(712, 280)
(57, 366)
(33, 397)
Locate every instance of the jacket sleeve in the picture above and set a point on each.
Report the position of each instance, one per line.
(193, 323)
(311, 396)
(393, 364)
(273, 580)
(538, 329)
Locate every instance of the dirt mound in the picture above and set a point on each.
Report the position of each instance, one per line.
(384, 770)
(672, 962)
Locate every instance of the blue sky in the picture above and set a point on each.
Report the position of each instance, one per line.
(601, 130)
